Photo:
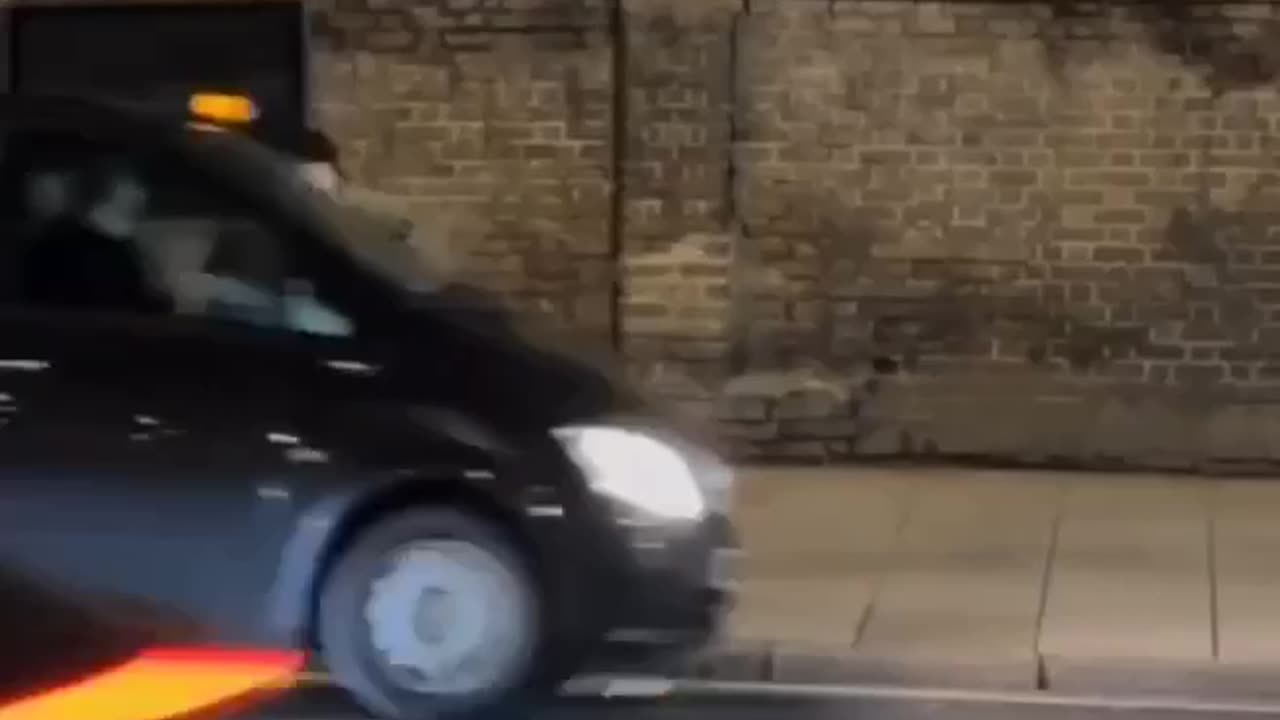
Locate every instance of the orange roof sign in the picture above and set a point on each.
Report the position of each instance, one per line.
(222, 108)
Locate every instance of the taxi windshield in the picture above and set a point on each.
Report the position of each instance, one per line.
(377, 239)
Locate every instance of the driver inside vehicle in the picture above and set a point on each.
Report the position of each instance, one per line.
(115, 251)
(224, 269)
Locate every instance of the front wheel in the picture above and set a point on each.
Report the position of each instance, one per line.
(432, 614)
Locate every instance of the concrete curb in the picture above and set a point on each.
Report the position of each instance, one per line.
(739, 661)
(758, 661)
(1163, 676)
(853, 667)
(734, 661)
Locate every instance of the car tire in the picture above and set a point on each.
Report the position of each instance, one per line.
(373, 604)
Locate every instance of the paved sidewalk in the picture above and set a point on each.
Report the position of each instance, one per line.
(1008, 579)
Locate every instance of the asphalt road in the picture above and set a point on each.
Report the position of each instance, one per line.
(328, 705)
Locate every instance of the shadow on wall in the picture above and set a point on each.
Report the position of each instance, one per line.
(1190, 30)
(1130, 270)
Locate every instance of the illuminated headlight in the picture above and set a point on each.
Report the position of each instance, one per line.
(637, 469)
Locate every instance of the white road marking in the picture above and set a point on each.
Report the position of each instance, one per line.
(1025, 698)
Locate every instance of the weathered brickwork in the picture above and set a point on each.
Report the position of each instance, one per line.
(495, 117)
(1029, 230)
(1001, 230)
(676, 308)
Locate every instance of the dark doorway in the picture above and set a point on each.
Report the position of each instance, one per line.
(157, 54)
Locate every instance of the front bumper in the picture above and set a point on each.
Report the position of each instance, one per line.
(680, 585)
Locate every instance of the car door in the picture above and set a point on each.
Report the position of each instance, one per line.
(160, 462)
(173, 487)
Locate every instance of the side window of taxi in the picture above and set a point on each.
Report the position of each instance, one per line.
(104, 229)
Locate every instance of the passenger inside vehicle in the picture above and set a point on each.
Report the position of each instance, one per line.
(106, 234)
(84, 256)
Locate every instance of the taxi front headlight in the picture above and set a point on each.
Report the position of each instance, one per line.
(637, 469)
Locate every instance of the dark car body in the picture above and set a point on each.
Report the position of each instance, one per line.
(213, 470)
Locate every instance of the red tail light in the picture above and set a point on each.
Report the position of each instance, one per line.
(161, 684)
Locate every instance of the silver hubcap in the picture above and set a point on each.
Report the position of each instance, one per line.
(448, 618)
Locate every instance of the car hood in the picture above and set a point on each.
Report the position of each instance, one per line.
(525, 376)
(517, 370)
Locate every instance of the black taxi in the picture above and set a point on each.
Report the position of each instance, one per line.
(223, 404)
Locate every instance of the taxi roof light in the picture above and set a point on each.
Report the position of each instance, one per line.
(222, 108)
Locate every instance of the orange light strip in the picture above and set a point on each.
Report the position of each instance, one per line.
(218, 107)
(159, 684)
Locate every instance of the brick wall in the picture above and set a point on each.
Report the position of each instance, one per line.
(495, 119)
(678, 242)
(1013, 229)
(855, 228)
